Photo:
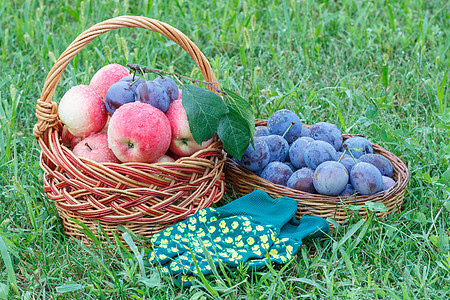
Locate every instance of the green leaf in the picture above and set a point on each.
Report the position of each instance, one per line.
(358, 149)
(66, 288)
(234, 132)
(87, 231)
(354, 207)
(4, 290)
(447, 205)
(244, 108)
(334, 223)
(210, 261)
(198, 296)
(9, 265)
(446, 175)
(203, 109)
(439, 240)
(153, 281)
(420, 217)
(442, 126)
(376, 206)
(127, 238)
(371, 112)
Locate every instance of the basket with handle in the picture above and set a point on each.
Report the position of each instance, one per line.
(144, 197)
(337, 208)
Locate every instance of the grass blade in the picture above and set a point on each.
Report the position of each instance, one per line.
(9, 265)
(139, 256)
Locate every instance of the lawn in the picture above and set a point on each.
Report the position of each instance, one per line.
(377, 68)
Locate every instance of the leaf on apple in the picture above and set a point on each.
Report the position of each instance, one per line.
(234, 132)
(203, 109)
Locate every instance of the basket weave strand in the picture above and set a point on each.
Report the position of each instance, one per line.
(244, 181)
(143, 197)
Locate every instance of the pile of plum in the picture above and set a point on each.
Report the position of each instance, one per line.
(315, 159)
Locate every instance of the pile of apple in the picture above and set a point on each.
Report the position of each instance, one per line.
(122, 118)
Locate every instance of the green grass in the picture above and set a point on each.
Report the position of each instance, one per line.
(382, 64)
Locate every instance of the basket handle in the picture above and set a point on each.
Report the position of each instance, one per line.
(47, 110)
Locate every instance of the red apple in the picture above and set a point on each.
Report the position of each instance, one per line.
(182, 142)
(82, 110)
(95, 147)
(105, 128)
(107, 76)
(139, 132)
(68, 139)
(165, 158)
(172, 155)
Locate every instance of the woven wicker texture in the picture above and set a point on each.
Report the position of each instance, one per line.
(244, 181)
(145, 198)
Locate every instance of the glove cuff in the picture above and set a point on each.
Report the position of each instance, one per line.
(261, 208)
(306, 227)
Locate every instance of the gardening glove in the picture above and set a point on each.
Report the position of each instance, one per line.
(290, 239)
(234, 233)
(238, 232)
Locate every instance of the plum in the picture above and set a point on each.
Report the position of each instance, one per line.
(379, 161)
(348, 191)
(317, 152)
(290, 165)
(348, 163)
(278, 147)
(152, 93)
(306, 132)
(118, 94)
(388, 182)
(357, 142)
(327, 132)
(302, 180)
(366, 178)
(256, 158)
(261, 131)
(330, 178)
(297, 151)
(280, 121)
(169, 86)
(277, 172)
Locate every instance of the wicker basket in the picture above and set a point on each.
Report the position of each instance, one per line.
(244, 181)
(143, 197)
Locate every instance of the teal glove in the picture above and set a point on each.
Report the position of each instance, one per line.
(291, 238)
(248, 230)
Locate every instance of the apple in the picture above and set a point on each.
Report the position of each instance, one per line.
(68, 139)
(105, 128)
(182, 143)
(82, 110)
(165, 158)
(172, 155)
(139, 132)
(95, 147)
(106, 77)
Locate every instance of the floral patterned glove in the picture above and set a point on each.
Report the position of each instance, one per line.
(246, 230)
